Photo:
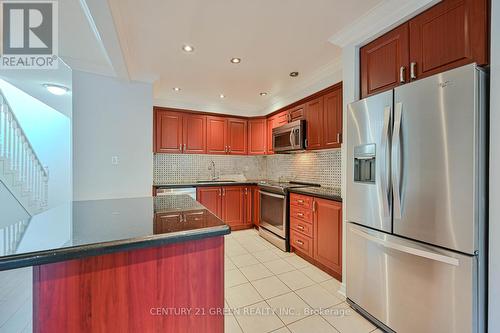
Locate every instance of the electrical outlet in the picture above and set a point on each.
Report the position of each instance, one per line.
(115, 160)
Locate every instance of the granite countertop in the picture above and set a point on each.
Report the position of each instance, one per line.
(88, 228)
(329, 193)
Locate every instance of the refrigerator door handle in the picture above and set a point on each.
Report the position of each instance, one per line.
(408, 249)
(396, 159)
(384, 187)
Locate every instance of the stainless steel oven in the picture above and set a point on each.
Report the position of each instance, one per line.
(273, 218)
(289, 137)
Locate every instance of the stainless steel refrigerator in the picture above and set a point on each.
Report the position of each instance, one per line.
(416, 199)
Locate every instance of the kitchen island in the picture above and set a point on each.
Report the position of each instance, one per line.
(125, 265)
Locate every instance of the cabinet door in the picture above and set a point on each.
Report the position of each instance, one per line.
(256, 206)
(282, 118)
(314, 123)
(168, 132)
(248, 198)
(216, 135)
(257, 133)
(233, 205)
(211, 198)
(270, 126)
(164, 221)
(195, 134)
(327, 228)
(296, 113)
(381, 61)
(237, 136)
(332, 119)
(451, 34)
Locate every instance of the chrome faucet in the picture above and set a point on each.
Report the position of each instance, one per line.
(212, 167)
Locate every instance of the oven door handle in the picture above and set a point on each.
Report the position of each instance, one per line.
(272, 194)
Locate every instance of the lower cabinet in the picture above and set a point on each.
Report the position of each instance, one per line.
(316, 232)
(232, 204)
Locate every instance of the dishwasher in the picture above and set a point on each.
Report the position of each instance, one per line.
(191, 191)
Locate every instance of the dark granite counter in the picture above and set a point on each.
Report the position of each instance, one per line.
(88, 228)
(329, 193)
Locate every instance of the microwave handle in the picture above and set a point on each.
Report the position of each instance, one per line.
(292, 139)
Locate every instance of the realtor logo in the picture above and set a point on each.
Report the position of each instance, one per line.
(29, 35)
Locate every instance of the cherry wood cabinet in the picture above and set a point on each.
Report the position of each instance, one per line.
(296, 113)
(450, 34)
(194, 132)
(168, 132)
(273, 122)
(210, 197)
(332, 119)
(236, 136)
(314, 123)
(179, 132)
(316, 232)
(257, 136)
(327, 225)
(216, 135)
(384, 62)
(232, 204)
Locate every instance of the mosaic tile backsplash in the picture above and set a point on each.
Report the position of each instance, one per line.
(322, 167)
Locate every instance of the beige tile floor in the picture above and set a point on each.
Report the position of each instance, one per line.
(267, 290)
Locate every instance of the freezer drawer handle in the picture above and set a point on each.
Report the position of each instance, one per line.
(407, 249)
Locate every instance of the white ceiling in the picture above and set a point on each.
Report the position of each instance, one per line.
(273, 38)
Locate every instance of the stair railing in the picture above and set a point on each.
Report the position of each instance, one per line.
(20, 158)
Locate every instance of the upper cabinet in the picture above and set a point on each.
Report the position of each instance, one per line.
(451, 34)
(448, 35)
(324, 120)
(384, 62)
(226, 135)
(314, 123)
(179, 132)
(296, 113)
(257, 138)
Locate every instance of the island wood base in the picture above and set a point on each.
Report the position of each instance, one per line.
(173, 288)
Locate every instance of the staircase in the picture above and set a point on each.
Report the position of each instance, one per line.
(11, 236)
(21, 171)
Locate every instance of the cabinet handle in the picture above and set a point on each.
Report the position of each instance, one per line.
(300, 201)
(338, 137)
(229, 149)
(300, 215)
(220, 192)
(300, 227)
(402, 70)
(299, 242)
(185, 147)
(314, 206)
(223, 191)
(413, 73)
(246, 191)
(180, 147)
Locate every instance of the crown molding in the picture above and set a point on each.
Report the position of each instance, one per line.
(210, 108)
(380, 19)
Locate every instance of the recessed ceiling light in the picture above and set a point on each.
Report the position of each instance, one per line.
(187, 48)
(177, 89)
(56, 89)
(294, 74)
(263, 94)
(235, 60)
(222, 96)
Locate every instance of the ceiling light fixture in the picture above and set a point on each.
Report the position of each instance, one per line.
(177, 89)
(222, 96)
(187, 48)
(263, 94)
(56, 89)
(294, 74)
(235, 60)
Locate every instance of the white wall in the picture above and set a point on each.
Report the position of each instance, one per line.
(494, 218)
(111, 118)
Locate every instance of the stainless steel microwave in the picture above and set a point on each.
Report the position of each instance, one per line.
(290, 137)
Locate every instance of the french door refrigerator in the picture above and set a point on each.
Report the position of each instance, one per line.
(416, 200)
